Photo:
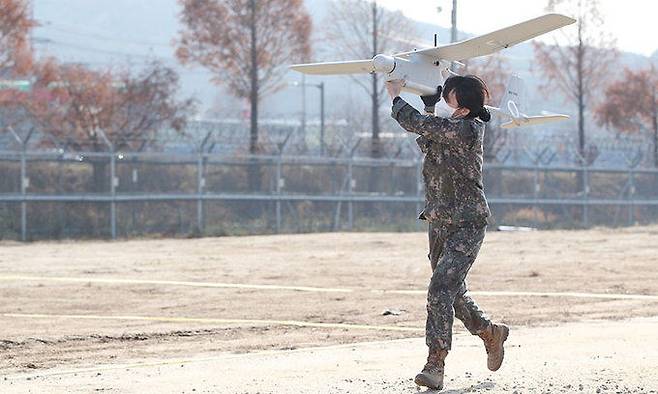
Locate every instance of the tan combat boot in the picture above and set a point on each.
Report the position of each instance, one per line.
(432, 374)
(494, 336)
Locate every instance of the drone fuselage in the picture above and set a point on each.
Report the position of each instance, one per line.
(421, 74)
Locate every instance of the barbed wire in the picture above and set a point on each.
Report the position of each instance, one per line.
(276, 137)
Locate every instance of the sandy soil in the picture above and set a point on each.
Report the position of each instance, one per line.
(565, 359)
(82, 329)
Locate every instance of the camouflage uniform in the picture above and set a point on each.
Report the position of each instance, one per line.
(457, 212)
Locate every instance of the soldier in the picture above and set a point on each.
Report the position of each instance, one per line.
(457, 212)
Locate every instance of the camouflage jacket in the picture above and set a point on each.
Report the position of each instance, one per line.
(452, 167)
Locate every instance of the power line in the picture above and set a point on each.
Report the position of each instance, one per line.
(104, 38)
(43, 40)
(129, 57)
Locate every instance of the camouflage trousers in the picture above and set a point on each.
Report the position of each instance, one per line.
(453, 250)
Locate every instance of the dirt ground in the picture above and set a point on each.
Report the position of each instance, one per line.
(82, 304)
(564, 359)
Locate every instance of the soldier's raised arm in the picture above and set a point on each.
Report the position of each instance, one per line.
(435, 128)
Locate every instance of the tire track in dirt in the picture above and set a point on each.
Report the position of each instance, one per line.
(95, 338)
(173, 319)
(124, 281)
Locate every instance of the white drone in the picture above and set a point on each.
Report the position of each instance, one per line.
(423, 70)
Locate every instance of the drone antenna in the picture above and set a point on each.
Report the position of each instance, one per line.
(436, 39)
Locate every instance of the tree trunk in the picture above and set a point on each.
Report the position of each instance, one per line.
(254, 167)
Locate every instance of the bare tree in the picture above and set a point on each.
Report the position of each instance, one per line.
(247, 45)
(631, 104)
(15, 26)
(578, 66)
(359, 29)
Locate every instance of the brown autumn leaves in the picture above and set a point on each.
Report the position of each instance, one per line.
(71, 104)
(15, 25)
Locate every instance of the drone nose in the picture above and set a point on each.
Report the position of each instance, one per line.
(383, 63)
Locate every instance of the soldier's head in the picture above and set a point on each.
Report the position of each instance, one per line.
(466, 95)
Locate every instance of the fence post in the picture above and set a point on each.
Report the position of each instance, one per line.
(535, 194)
(586, 197)
(631, 197)
(113, 193)
(23, 195)
(24, 179)
(201, 182)
(199, 190)
(278, 193)
(350, 184)
(113, 184)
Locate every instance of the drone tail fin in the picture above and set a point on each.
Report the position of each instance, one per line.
(512, 102)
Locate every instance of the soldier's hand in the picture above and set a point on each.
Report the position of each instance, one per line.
(447, 73)
(394, 87)
(431, 100)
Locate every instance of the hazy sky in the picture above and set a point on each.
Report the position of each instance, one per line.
(632, 22)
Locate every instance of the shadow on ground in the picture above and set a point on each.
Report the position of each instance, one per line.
(469, 389)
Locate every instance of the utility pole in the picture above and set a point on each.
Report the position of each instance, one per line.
(320, 86)
(375, 144)
(453, 32)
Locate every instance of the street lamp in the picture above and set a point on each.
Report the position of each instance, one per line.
(320, 86)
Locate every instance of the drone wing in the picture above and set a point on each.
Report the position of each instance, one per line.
(497, 40)
(334, 68)
(533, 120)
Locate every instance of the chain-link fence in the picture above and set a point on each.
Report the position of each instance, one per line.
(102, 194)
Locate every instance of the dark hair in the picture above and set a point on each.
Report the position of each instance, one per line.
(471, 92)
